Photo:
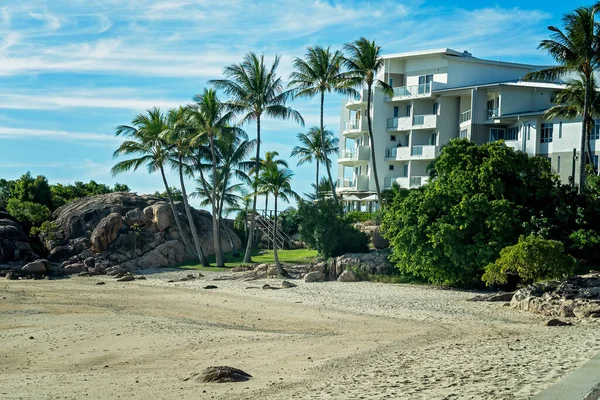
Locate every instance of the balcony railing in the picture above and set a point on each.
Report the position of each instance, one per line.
(415, 90)
(349, 153)
(346, 183)
(391, 152)
(416, 151)
(352, 124)
(416, 181)
(465, 116)
(392, 123)
(387, 182)
(491, 113)
(418, 119)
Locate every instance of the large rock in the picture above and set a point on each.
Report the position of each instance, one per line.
(373, 231)
(37, 267)
(348, 276)
(127, 230)
(578, 297)
(223, 374)
(371, 263)
(14, 242)
(106, 232)
(314, 276)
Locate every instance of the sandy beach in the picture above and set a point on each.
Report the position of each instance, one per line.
(73, 339)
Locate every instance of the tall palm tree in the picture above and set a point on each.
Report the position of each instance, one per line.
(316, 146)
(319, 73)
(576, 50)
(210, 121)
(277, 181)
(569, 106)
(255, 89)
(363, 62)
(178, 134)
(146, 142)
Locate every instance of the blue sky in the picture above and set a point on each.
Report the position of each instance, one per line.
(72, 70)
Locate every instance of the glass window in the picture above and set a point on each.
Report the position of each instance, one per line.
(392, 138)
(391, 167)
(558, 164)
(436, 108)
(408, 109)
(396, 112)
(463, 134)
(391, 82)
(560, 130)
(496, 134)
(546, 133)
(596, 131)
(512, 133)
(596, 162)
(528, 131)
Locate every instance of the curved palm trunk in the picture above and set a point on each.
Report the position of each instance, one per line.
(323, 149)
(280, 269)
(199, 251)
(317, 182)
(372, 145)
(215, 217)
(186, 243)
(248, 255)
(582, 156)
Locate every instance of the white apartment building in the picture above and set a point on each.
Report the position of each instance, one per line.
(440, 95)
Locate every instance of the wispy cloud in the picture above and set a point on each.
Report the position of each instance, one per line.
(23, 133)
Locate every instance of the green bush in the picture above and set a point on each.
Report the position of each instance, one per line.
(290, 221)
(353, 217)
(29, 213)
(324, 229)
(532, 259)
(48, 229)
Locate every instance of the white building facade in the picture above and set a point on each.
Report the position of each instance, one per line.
(440, 95)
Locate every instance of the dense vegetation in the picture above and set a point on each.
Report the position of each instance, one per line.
(32, 200)
(480, 200)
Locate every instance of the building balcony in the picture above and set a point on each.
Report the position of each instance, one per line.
(357, 184)
(423, 152)
(399, 124)
(353, 156)
(465, 117)
(355, 128)
(358, 101)
(426, 121)
(492, 113)
(417, 181)
(397, 153)
(400, 180)
(410, 92)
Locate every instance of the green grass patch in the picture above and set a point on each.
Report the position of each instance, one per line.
(300, 256)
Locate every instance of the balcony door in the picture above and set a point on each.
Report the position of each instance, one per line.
(425, 83)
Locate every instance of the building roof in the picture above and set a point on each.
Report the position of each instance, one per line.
(531, 84)
(421, 53)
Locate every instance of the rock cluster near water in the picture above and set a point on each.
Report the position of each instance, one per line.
(110, 234)
(374, 232)
(576, 297)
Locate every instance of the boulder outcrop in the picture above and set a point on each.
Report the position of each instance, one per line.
(14, 242)
(374, 232)
(132, 232)
(576, 297)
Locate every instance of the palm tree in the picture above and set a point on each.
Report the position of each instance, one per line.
(210, 120)
(569, 106)
(318, 147)
(363, 62)
(277, 181)
(269, 160)
(145, 141)
(321, 190)
(576, 50)
(320, 73)
(255, 90)
(178, 134)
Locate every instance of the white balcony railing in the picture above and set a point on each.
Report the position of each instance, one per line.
(359, 182)
(415, 90)
(397, 153)
(491, 113)
(346, 183)
(416, 181)
(465, 116)
(423, 151)
(391, 152)
(348, 153)
(352, 124)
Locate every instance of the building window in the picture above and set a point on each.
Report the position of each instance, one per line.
(546, 134)
(396, 112)
(512, 133)
(560, 130)
(596, 131)
(558, 165)
(392, 138)
(463, 134)
(496, 134)
(391, 167)
(596, 162)
(528, 131)
(391, 82)
(436, 108)
(408, 109)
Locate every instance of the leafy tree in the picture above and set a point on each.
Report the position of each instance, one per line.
(256, 90)
(317, 147)
(532, 259)
(145, 142)
(576, 51)
(120, 187)
(363, 62)
(290, 221)
(319, 73)
(176, 194)
(323, 229)
(478, 201)
(6, 188)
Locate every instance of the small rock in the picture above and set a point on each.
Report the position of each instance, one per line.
(557, 322)
(348, 276)
(10, 276)
(287, 285)
(126, 278)
(267, 287)
(140, 278)
(210, 287)
(100, 283)
(315, 276)
(223, 374)
(31, 337)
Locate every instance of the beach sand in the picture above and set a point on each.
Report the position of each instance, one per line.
(73, 339)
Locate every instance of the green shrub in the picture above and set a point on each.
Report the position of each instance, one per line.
(324, 229)
(29, 213)
(48, 229)
(532, 259)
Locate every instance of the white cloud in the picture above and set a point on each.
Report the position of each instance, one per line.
(53, 22)
(21, 133)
